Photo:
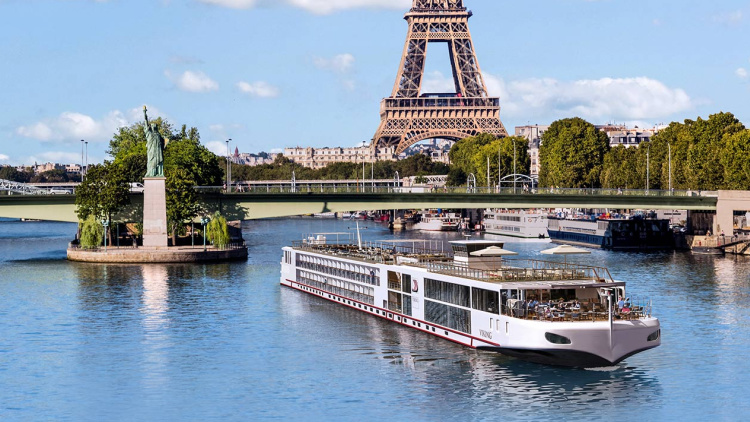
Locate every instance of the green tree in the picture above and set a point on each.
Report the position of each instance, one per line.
(735, 159)
(698, 153)
(92, 233)
(620, 169)
(471, 155)
(182, 200)
(103, 193)
(217, 231)
(572, 154)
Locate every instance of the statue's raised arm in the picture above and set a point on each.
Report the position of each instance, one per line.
(145, 114)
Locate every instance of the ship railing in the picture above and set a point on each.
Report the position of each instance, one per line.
(510, 270)
(639, 308)
(378, 252)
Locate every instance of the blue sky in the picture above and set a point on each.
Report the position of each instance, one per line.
(278, 73)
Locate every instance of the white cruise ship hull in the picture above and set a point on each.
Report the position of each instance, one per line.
(368, 287)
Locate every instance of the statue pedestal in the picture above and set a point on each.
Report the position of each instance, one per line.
(155, 212)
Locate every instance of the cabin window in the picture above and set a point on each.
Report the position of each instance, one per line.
(485, 300)
(447, 292)
(406, 283)
(654, 336)
(448, 316)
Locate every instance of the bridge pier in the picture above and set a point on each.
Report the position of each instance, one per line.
(729, 202)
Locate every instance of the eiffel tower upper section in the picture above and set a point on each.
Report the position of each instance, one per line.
(409, 116)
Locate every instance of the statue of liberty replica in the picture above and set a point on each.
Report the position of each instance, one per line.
(154, 193)
(155, 148)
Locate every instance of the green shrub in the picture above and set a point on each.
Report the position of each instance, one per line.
(218, 231)
(92, 233)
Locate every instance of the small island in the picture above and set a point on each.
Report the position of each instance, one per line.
(142, 207)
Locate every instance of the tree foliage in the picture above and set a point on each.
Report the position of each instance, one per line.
(471, 155)
(92, 233)
(282, 169)
(217, 231)
(572, 154)
(103, 192)
(182, 200)
(704, 154)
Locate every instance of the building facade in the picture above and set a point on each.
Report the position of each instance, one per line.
(534, 135)
(317, 158)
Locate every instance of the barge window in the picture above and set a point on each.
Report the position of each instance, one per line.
(556, 338)
(485, 300)
(447, 292)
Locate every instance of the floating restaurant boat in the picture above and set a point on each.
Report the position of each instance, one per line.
(438, 221)
(546, 312)
(516, 223)
(615, 234)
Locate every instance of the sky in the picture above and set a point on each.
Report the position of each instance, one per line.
(271, 74)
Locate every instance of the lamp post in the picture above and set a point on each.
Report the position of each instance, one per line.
(669, 147)
(515, 177)
(87, 157)
(204, 221)
(229, 169)
(648, 168)
(105, 224)
(82, 141)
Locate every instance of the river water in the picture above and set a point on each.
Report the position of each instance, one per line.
(83, 342)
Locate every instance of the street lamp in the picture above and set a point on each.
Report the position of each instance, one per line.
(87, 157)
(105, 224)
(648, 168)
(229, 169)
(204, 221)
(82, 141)
(669, 147)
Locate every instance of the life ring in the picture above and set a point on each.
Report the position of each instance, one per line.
(415, 286)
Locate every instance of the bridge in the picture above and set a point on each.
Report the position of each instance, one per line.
(21, 188)
(290, 200)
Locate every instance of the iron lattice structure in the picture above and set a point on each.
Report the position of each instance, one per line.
(21, 188)
(408, 118)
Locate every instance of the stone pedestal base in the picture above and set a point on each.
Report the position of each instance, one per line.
(155, 213)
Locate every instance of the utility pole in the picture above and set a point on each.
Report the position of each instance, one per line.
(648, 168)
(669, 146)
(515, 174)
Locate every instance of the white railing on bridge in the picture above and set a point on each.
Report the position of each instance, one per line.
(352, 187)
(21, 188)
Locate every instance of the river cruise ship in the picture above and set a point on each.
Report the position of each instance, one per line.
(516, 223)
(545, 312)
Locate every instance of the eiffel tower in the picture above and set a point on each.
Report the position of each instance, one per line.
(408, 118)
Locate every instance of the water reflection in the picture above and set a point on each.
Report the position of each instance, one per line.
(458, 379)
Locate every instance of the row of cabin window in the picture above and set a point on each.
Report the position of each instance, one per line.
(370, 278)
(464, 296)
(353, 295)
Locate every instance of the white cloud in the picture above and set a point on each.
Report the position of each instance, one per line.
(319, 7)
(217, 147)
(322, 7)
(596, 99)
(741, 73)
(729, 18)
(71, 126)
(4, 158)
(342, 63)
(190, 81)
(232, 4)
(260, 89)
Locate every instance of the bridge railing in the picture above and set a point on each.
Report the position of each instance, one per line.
(420, 189)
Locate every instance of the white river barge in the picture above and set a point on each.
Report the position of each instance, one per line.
(546, 312)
